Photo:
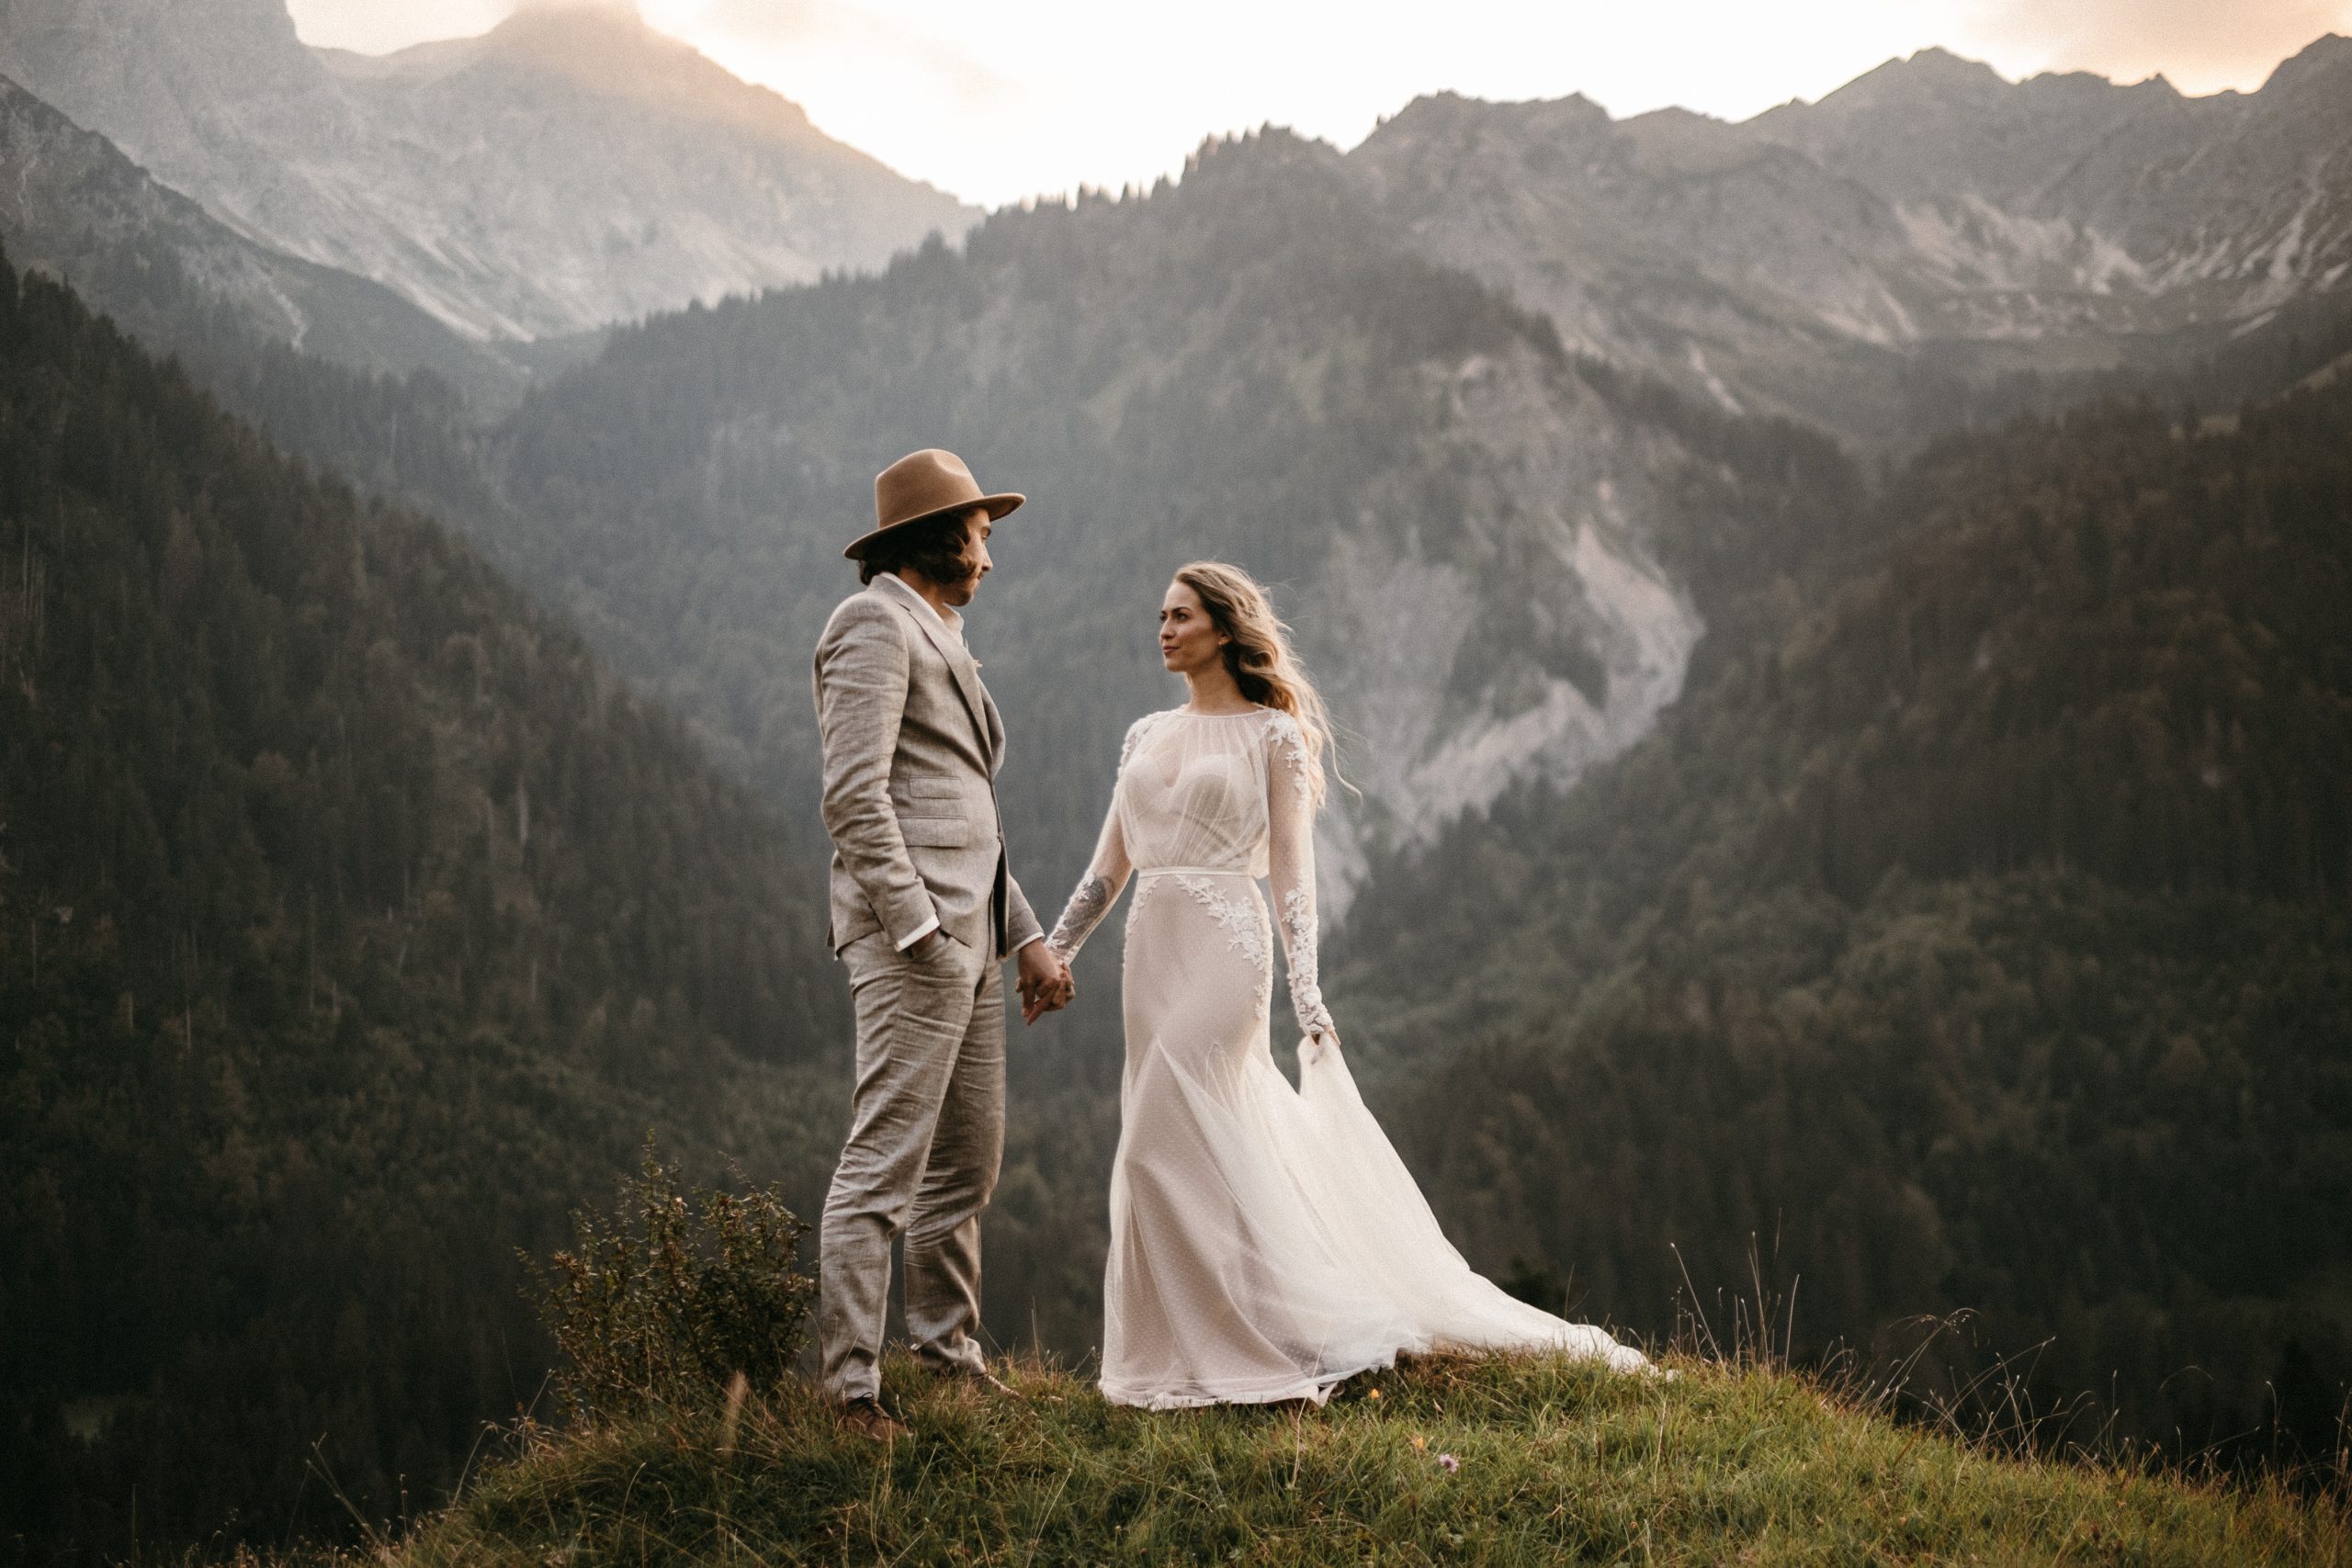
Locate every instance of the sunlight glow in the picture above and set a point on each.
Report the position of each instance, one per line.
(1034, 96)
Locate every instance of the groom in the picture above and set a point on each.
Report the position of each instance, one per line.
(924, 910)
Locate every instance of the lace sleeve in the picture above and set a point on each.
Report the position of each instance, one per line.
(1290, 858)
(1098, 889)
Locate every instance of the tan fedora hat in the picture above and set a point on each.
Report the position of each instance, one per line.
(922, 485)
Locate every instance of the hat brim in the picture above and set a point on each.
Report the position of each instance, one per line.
(997, 505)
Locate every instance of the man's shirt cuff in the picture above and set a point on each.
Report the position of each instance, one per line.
(919, 932)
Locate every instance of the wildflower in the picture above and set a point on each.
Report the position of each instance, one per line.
(1448, 1463)
(1374, 1395)
(1421, 1445)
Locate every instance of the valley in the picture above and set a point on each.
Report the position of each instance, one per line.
(1833, 623)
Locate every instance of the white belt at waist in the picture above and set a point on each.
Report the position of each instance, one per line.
(1189, 871)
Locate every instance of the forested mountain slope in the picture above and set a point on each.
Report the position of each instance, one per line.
(1482, 541)
(356, 922)
(1979, 939)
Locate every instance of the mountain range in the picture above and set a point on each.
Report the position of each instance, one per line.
(569, 169)
(1778, 801)
(1476, 531)
(1896, 257)
(186, 283)
(1862, 261)
(1834, 264)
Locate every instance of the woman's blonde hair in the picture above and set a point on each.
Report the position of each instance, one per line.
(1259, 656)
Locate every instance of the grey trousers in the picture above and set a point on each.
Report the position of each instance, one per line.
(926, 1136)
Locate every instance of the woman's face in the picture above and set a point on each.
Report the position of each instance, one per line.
(1189, 640)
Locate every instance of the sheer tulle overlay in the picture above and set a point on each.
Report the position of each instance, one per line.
(1266, 1242)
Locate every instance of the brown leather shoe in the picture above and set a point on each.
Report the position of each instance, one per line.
(869, 1420)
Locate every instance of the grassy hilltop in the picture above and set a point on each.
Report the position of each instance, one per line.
(1504, 1461)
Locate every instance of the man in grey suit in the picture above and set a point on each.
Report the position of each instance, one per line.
(924, 910)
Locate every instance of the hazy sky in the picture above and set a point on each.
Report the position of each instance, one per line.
(1017, 98)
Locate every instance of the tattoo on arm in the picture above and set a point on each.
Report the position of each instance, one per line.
(1080, 916)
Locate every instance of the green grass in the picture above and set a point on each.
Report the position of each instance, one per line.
(1557, 1463)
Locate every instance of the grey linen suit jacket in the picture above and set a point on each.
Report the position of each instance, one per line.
(911, 747)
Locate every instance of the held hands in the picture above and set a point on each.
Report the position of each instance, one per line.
(1045, 983)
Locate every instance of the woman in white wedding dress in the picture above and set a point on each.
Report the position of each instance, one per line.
(1266, 1242)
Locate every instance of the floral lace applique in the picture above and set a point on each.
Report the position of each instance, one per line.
(1298, 924)
(1299, 946)
(1243, 927)
(1287, 736)
(1136, 732)
(1145, 887)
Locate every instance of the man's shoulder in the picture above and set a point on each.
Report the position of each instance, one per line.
(868, 608)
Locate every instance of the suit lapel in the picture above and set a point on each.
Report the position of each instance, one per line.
(995, 729)
(966, 674)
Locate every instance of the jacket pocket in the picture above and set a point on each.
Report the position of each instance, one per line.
(935, 832)
(925, 797)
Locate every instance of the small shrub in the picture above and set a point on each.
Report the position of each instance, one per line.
(668, 1299)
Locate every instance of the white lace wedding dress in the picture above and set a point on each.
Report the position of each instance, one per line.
(1266, 1242)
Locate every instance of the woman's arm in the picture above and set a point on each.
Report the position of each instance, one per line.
(1290, 859)
(1106, 874)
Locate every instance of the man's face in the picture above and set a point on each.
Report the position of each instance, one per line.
(975, 550)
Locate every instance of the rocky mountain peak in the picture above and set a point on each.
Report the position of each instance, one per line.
(1930, 211)
(2326, 59)
(1938, 125)
(1933, 74)
(1271, 153)
(1444, 137)
(203, 26)
(1436, 120)
(570, 168)
(187, 66)
(606, 52)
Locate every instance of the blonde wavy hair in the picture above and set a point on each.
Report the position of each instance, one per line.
(1261, 661)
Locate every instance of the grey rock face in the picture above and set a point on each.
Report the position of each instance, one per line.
(71, 204)
(567, 169)
(1927, 213)
(1532, 637)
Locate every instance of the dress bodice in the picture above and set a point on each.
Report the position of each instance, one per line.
(1192, 791)
(1204, 797)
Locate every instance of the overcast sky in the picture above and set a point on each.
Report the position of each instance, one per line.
(1010, 98)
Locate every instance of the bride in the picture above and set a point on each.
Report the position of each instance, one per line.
(1266, 1243)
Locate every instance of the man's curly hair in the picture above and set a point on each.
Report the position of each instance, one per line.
(934, 547)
